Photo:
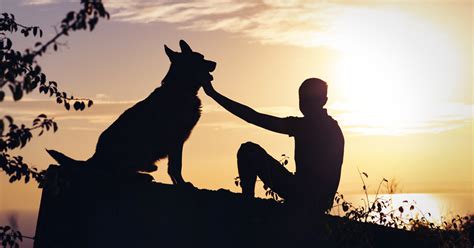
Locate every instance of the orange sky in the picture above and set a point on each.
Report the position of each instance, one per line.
(400, 83)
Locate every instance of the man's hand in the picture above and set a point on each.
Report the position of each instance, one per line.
(207, 86)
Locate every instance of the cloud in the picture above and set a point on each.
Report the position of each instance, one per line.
(432, 118)
(39, 2)
(101, 96)
(223, 125)
(296, 22)
(102, 114)
(143, 11)
(209, 108)
(280, 111)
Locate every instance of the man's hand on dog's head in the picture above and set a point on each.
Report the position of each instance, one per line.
(207, 86)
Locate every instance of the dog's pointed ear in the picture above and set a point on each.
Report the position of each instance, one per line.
(170, 53)
(185, 48)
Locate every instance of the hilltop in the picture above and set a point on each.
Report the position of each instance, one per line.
(95, 211)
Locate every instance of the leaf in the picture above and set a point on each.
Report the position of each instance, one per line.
(90, 103)
(365, 174)
(9, 119)
(345, 208)
(12, 179)
(400, 209)
(9, 44)
(16, 92)
(70, 16)
(67, 105)
(55, 126)
(77, 106)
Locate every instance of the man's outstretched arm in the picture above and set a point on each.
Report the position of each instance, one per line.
(246, 113)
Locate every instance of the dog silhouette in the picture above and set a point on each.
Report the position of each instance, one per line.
(157, 126)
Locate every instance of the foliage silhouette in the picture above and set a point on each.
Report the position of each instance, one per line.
(21, 73)
(10, 237)
(452, 232)
(408, 216)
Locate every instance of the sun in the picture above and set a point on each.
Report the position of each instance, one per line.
(394, 69)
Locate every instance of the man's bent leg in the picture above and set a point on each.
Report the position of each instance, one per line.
(253, 161)
(246, 156)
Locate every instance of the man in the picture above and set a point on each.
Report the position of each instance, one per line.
(319, 149)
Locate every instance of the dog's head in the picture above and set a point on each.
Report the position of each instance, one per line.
(188, 66)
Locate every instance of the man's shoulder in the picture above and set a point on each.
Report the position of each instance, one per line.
(293, 124)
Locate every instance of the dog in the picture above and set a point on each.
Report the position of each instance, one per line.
(157, 126)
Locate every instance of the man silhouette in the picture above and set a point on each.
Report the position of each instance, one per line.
(319, 149)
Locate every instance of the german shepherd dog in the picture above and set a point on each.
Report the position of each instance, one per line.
(156, 127)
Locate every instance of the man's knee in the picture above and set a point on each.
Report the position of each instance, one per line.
(249, 149)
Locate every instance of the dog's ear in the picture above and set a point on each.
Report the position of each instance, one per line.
(185, 48)
(171, 54)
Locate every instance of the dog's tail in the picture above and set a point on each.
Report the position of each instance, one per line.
(63, 159)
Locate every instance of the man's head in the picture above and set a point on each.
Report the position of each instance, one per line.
(313, 95)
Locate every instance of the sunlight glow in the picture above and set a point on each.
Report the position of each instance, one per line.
(426, 205)
(396, 73)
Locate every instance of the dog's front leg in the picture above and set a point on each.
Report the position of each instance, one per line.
(175, 159)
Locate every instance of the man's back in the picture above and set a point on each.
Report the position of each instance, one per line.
(319, 151)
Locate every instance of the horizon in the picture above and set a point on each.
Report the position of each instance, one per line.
(399, 76)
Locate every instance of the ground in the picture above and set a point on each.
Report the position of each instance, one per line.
(92, 210)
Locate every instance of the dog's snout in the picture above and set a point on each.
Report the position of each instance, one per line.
(212, 65)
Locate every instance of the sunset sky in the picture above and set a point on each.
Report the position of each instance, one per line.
(399, 73)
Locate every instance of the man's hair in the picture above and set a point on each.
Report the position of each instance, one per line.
(314, 88)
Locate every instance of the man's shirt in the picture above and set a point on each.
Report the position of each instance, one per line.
(319, 152)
